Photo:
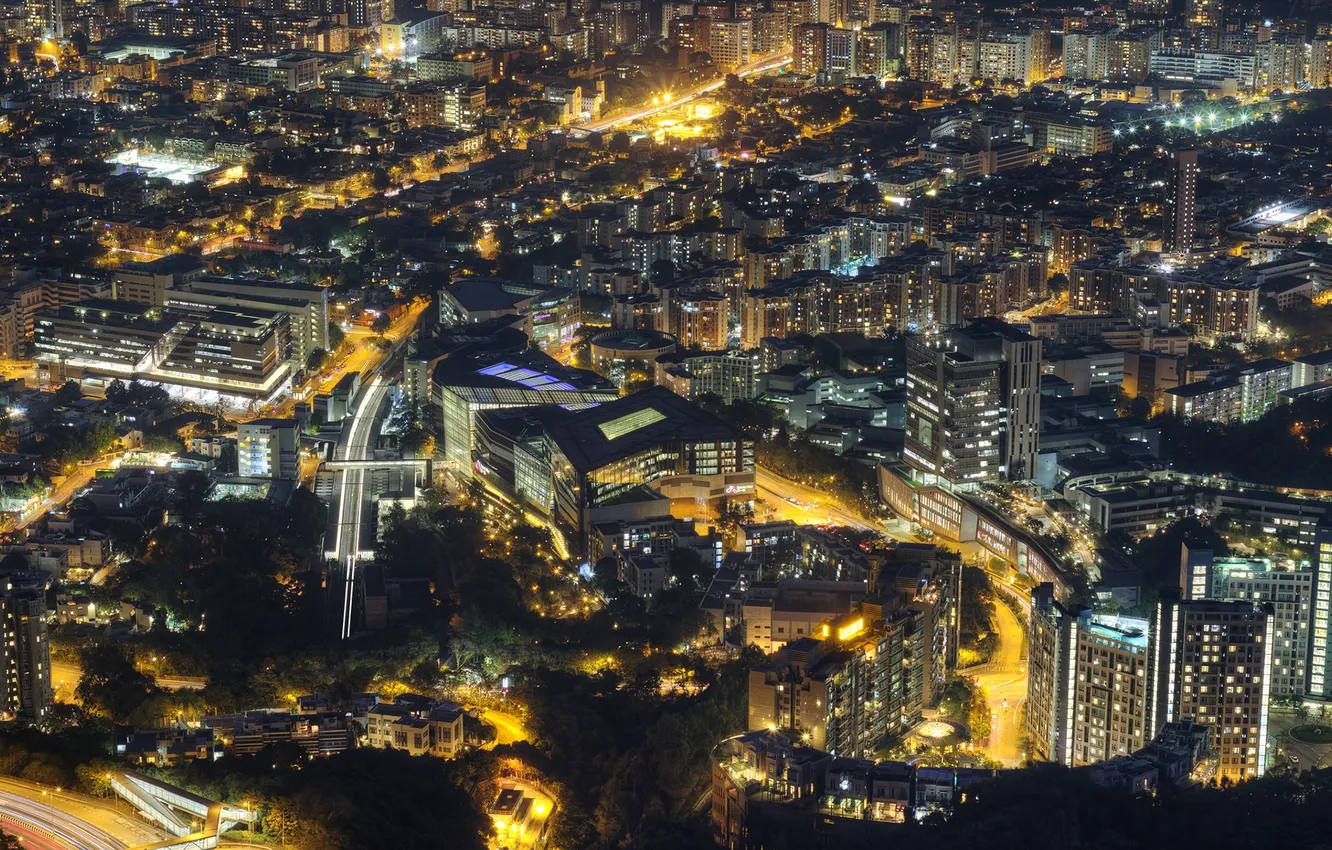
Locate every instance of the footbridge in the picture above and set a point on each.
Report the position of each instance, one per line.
(196, 822)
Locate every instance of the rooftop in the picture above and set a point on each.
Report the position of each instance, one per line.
(615, 430)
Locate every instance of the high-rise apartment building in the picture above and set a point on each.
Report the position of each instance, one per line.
(1212, 662)
(1087, 691)
(1086, 53)
(872, 673)
(1290, 593)
(882, 50)
(46, 18)
(24, 646)
(1319, 673)
(973, 403)
(1181, 202)
(810, 48)
(1129, 54)
(1020, 56)
(1204, 13)
(731, 43)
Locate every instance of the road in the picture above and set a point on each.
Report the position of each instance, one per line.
(762, 65)
(108, 817)
(357, 443)
(508, 728)
(44, 816)
(59, 496)
(65, 677)
(366, 356)
(805, 505)
(1004, 681)
(1311, 756)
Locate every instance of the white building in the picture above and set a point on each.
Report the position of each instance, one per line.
(269, 448)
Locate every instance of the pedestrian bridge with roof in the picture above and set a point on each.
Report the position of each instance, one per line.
(196, 822)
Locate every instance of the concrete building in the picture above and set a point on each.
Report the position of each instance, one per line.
(24, 648)
(235, 354)
(1318, 683)
(973, 403)
(1181, 208)
(1239, 394)
(268, 448)
(306, 305)
(1212, 663)
(1291, 596)
(1087, 695)
(872, 672)
(731, 374)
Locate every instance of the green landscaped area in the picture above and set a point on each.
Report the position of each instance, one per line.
(1312, 733)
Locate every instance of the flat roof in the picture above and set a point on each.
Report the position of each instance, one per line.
(617, 429)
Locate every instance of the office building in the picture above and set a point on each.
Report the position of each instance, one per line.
(1087, 692)
(25, 648)
(234, 354)
(306, 305)
(1181, 203)
(973, 403)
(1212, 663)
(583, 464)
(464, 386)
(654, 440)
(841, 51)
(269, 448)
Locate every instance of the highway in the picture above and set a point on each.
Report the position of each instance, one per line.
(357, 444)
(762, 65)
(49, 827)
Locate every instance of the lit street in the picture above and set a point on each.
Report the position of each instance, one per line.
(508, 728)
(758, 66)
(79, 821)
(803, 504)
(1004, 680)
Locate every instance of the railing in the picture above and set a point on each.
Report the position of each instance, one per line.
(159, 801)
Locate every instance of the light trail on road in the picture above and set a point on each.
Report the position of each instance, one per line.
(758, 66)
(69, 830)
(352, 493)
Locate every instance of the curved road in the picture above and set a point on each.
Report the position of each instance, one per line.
(1004, 681)
(105, 818)
(44, 822)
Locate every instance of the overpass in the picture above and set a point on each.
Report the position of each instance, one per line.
(424, 466)
(196, 822)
